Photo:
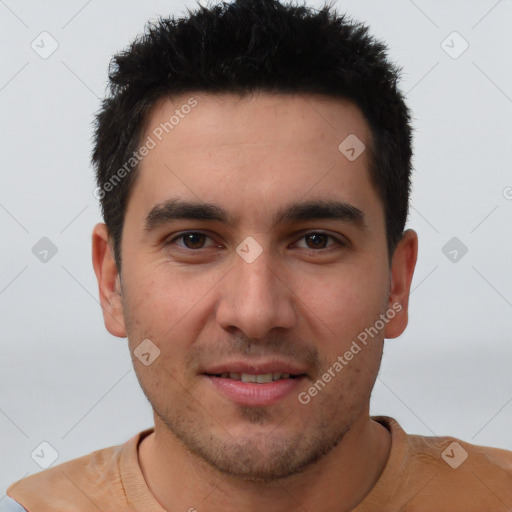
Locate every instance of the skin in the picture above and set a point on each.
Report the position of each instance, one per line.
(299, 301)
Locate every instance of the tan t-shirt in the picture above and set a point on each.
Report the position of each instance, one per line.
(427, 474)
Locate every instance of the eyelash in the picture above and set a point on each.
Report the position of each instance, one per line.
(338, 241)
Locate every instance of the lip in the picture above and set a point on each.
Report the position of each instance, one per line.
(253, 394)
(250, 393)
(254, 368)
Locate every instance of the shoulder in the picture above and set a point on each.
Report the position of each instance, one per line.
(449, 453)
(468, 475)
(444, 473)
(452, 455)
(74, 485)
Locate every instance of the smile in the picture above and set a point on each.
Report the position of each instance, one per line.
(260, 378)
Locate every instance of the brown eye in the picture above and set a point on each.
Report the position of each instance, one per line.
(316, 240)
(191, 240)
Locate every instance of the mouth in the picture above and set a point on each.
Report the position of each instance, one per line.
(258, 378)
(252, 385)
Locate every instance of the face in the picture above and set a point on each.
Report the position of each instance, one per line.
(254, 249)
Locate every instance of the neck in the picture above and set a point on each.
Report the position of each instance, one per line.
(340, 480)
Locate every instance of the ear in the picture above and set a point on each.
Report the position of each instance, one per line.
(402, 270)
(109, 282)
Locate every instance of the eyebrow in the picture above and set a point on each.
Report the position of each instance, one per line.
(177, 209)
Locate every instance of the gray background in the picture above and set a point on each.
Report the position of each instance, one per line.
(65, 380)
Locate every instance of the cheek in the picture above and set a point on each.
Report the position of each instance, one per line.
(152, 314)
(164, 296)
(345, 308)
(167, 306)
(345, 301)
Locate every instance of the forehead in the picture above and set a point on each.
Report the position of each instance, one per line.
(217, 120)
(261, 148)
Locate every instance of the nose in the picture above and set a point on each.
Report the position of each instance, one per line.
(255, 298)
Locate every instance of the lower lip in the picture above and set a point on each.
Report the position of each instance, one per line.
(250, 393)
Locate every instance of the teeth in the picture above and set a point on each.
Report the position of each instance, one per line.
(261, 378)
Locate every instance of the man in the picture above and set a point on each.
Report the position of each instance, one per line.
(253, 166)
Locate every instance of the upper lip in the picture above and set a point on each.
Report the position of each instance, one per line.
(255, 368)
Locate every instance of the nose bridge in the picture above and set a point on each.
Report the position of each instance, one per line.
(254, 299)
(256, 279)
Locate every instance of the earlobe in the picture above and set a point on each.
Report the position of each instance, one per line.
(402, 270)
(109, 283)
